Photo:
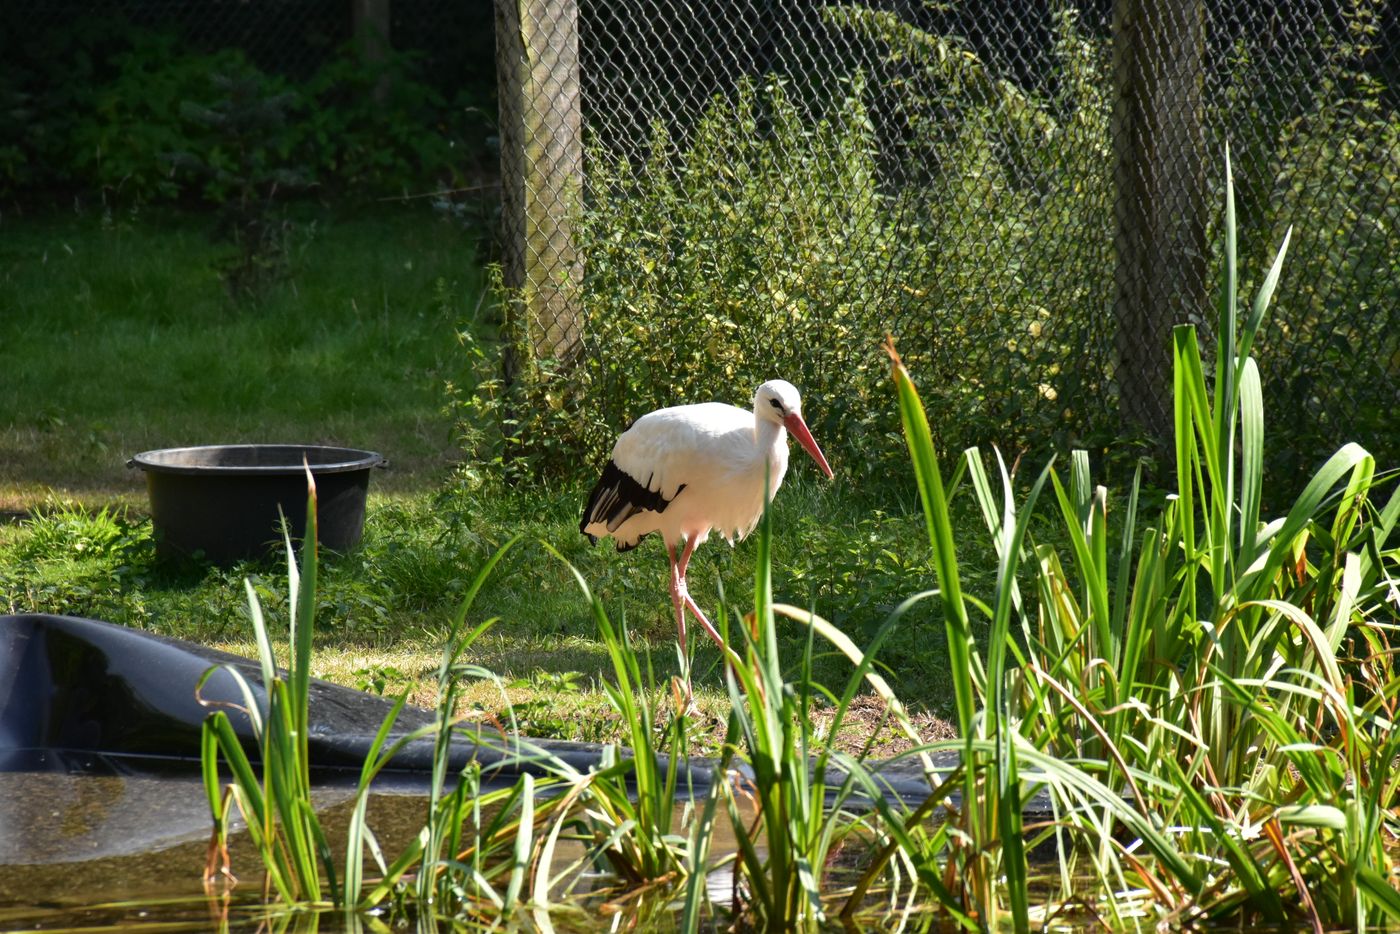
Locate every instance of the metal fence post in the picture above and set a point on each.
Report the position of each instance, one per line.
(1159, 199)
(541, 167)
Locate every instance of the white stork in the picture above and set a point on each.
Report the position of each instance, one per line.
(688, 470)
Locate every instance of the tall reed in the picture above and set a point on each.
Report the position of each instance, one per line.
(1212, 651)
(800, 799)
(474, 854)
(1193, 674)
(276, 805)
(628, 806)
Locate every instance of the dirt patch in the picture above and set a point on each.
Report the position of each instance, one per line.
(867, 726)
(868, 720)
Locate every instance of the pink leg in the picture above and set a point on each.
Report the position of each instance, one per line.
(709, 627)
(685, 555)
(680, 598)
(679, 588)
(685, 697)
(677, 595)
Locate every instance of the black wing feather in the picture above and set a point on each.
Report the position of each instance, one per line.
(618, 497)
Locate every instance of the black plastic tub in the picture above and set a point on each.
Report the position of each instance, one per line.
(223, 501)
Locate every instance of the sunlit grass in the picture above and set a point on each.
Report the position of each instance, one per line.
(119, 336)
(384, 607)
(123, 338)
(1204, 693)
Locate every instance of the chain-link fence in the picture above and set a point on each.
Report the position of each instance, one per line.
(702, 196)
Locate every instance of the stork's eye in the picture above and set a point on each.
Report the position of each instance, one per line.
(776, 404)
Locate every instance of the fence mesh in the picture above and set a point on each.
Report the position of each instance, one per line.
(1027, 195)
(700, 196)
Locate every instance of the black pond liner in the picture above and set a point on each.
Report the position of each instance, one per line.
(83, 696)
(225, 501)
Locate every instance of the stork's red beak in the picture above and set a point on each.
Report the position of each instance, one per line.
(798, 427)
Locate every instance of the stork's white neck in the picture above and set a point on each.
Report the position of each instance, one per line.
(768, 433)
(771, 450)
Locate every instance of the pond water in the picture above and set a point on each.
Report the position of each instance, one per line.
(103, 817)
(96, 852)
(100, 852)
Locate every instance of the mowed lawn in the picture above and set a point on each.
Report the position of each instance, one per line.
(118, 335)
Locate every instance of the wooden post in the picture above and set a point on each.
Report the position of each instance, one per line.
(541, 167)
(1160, 197)
(370, 20)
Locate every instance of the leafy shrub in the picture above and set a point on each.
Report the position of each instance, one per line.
(126, 143)
(754, 253)
(239, 147)
(242, 163)
(779, 239)
(47, 87)
(1335, 174)
(376, 126)
(117, 109)
(1003, 183)
(744, 256)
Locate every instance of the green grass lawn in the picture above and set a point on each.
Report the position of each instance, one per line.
(120, 337)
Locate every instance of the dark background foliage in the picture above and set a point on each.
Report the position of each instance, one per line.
(106, 100)
(769, 188)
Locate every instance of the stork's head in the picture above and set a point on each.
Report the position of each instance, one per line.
(778, 401)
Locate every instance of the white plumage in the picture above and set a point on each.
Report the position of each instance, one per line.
(687, 470)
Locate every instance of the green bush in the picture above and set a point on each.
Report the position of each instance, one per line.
(1334, 172)
(962, 211)
(47, 87)
(126, 143)
(780, 238)
(743, 256)
(1003, 183)
(113, 109)
(377, 126)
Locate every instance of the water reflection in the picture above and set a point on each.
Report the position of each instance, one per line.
(84, 851)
